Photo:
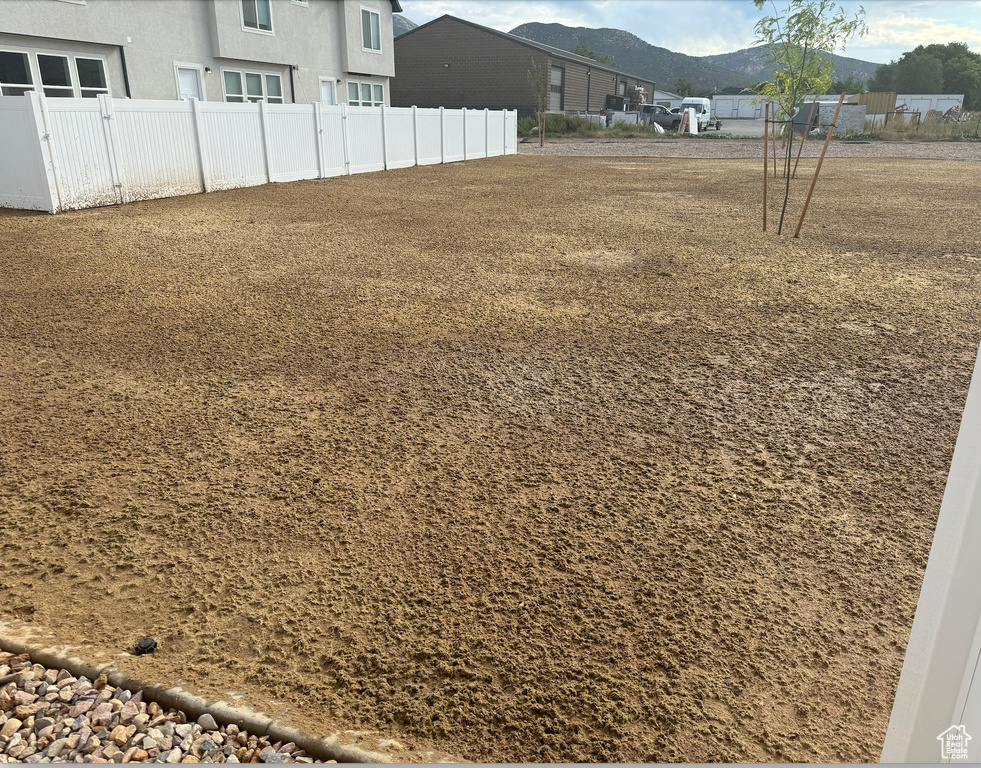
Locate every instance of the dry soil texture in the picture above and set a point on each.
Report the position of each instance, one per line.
(529, 458)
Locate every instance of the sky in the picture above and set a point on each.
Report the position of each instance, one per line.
(706, 27)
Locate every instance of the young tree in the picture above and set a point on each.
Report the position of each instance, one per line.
(795, 39)
(538, 80)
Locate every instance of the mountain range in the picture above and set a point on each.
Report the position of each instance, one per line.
(401, 25)
(750, 61)
(739, 69)
(637, 57)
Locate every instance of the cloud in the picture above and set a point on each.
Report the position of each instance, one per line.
(503, 15)
(907, 33)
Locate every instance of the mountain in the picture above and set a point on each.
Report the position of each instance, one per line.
(637, 57)
(401, 25)
(750, 62)
(740, 69)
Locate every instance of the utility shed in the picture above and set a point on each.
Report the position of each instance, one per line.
(453, 63)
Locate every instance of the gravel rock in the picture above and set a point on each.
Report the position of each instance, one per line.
(207, 722)
(78, 721)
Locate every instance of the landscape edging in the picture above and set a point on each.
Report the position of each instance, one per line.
(194, 706)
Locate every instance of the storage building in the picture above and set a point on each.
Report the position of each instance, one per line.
(450, 62)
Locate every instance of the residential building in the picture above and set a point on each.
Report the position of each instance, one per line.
(278, 51)
(450, 62)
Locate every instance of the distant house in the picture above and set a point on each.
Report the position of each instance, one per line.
(450, 62)
(277, 51)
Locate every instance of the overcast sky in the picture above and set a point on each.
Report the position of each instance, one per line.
(704, 27)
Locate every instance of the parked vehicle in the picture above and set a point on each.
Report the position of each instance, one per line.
(655, 113)
(703, 113)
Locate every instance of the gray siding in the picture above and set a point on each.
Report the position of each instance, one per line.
(449, 63)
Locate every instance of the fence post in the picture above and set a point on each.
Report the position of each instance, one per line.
(318, 126)
(442, 135)
(486, 132)
(42, 128)
(504, 132)
(115, 171)
(264, 120)
(415, 132)
(199, 139)
(346, 136)
(464, 134)
(384, 137)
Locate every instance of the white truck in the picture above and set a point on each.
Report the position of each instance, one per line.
(703, 113)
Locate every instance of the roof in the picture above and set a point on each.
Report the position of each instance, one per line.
(550, 50)
(396, 8)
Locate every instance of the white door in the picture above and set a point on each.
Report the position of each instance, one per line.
(723, 108)
(920, 105)
(747, 107)
(189, 83)
(327, 92)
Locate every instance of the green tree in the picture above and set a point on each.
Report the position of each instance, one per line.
(584, 50)
(963, 75)
(538, 80)
(794, 39)
(920, 73)
(685, 87)
(850, 84)
(935, 68)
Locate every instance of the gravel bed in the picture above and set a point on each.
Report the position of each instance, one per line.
(48, 716)
(740, 148)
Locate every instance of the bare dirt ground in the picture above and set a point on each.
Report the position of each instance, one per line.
(527, 458)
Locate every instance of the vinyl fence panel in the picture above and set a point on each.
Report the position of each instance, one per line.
(157, 149)
(511, 132)
(292, 142)
(25, 175)
(476, 134)
(79, 140)
(399, 137)
(366, 147)
(333, 140)
(453, 137)
(77, 153)
(496, 131)
(430, 136)
(234, 145)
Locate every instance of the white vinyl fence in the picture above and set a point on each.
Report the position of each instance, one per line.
(63, 154)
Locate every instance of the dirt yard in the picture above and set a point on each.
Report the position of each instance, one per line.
(525, 459)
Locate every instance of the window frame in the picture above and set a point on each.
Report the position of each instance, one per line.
(371, 85)
(245, 97)
(257, 30)
(105, 73)
(72, 82)
(371, 12)
(32, 86)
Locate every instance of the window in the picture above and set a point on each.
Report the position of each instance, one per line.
(15, 74)
(91, 77)
(60, 76)
(56, 75)
(258, 87)
(233, 86)
(365, 94)
(370, 30)
(274, 89)
(257, 15)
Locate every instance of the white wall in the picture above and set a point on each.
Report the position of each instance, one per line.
(939, 687)
(106, 151)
